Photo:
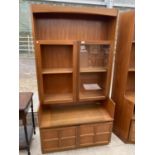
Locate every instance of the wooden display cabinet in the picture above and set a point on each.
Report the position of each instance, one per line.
(123, 92)
(74, 52)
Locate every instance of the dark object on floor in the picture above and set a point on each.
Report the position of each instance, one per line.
(25, 131)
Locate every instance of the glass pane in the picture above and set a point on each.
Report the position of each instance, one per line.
(94, 56)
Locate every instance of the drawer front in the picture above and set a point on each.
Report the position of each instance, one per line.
(132, 132)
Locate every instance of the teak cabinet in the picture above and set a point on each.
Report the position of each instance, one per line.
(74, 49)
(123, 92)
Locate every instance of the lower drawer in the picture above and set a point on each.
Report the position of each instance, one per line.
(132, 132)
(73, 137)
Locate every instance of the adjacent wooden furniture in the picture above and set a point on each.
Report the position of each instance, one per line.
(25, 131)
(74, 52)
(123, 92)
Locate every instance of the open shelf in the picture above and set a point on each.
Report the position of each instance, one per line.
(92, 86)
(58, 98)
(71, 115)
(57, 71)
(58, 57)
(58, 88)
(73, 26)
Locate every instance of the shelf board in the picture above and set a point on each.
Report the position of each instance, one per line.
(58, 98)
(131, 70)
(73, 115)
(99, 42)
(93, 69)
(71, 42)
(91, 95)
(55, 42)
(57, 71)
(130, 96)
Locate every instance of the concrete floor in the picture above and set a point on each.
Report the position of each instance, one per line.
(27, 77)
(116, 147)
(28, 82)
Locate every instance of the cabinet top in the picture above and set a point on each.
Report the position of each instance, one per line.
(45, 8)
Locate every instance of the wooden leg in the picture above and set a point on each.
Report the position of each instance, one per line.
(26, 134)
(33, 121)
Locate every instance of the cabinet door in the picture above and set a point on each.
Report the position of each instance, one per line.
(68, 137)
(103, 133)
(49, 139)
(57, 139)
(86, 133)
(50, 145)
(93, 70)
(99, 133)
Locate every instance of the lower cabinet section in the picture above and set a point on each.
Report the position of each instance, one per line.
(132, 132)
(55, 139)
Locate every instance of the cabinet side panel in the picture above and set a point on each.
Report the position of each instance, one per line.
(124, 43)
(36, 49)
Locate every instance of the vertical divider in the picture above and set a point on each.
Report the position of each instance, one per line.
(77, 71)
(74, 72)
(39, 72)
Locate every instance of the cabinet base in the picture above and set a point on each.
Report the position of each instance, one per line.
(72, 137)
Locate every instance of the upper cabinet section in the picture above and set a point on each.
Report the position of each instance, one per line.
(72, 23)
(74, 49)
